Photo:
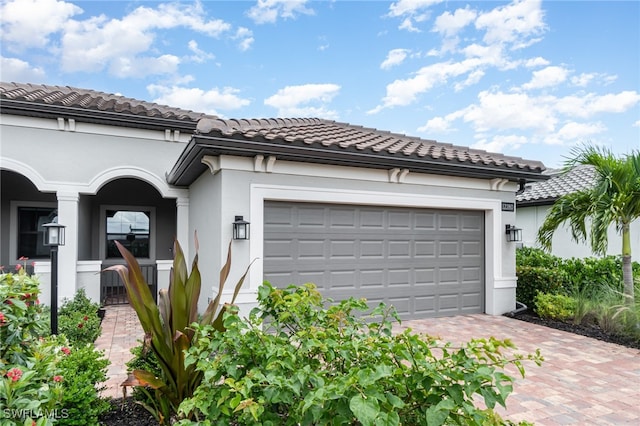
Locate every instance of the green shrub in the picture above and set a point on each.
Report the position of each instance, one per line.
(555, 306)
(317, 365)
(79, 303)
(79, 327)
(535, 279)
(78, 319)
(82, 370)
(21, 319)
(530, 256)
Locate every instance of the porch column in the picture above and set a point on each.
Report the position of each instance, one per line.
(68, 254)
(182, 225)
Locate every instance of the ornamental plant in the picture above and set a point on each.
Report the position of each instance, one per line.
(299, 359)
(21, 319)
(31, 393)
(166, 326)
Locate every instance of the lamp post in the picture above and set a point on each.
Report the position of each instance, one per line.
(54, 237)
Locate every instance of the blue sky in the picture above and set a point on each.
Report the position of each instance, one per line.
(525, 78)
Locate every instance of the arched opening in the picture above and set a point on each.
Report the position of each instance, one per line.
(134, 213)
(23, 211)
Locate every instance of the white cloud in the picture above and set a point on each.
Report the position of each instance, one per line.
(497, 110)
(29, 23)
(196, 99)
(499, 143)
(12, 69)
(536, 62)
(294, 100)
(636, 124)
(573, 130)
(473, 78)
(437, 124)
(411, 11)
(513, 24)
(449, 24)
(410, 7)
(268, 11)
(587, 105)
(245, 37)
(547, 77)
(199, 55)
(122, 45)
(394, 57)
(405, 92)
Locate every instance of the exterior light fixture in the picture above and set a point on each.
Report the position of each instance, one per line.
(54, 237)
(514, 234)
(53, 234)
(240, 229)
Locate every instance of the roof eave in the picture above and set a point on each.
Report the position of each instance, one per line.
(111, 118)
(189, 167)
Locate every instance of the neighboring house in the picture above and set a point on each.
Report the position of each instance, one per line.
(358, 211)
(538, 197)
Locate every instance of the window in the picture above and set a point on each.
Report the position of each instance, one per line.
(130, 228)
(31, 232)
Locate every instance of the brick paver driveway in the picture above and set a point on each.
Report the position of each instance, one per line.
(583, 381)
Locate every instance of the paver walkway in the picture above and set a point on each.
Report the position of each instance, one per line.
(582, 381)
(121, 331)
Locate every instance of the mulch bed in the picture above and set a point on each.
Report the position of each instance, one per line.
(588, 330)
(131, 413)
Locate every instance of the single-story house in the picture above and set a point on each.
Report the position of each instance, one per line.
(358, 211)
(537, 198)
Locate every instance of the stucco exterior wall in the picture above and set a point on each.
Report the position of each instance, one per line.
(239, 186)
(530, 219)
(68, 166)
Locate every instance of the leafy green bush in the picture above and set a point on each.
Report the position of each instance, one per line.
(81, 370)
(531, 256)
(79, 327)
(80, 303)
(296, 362)
(42, 379)
(535, 279)
(554, 306)
(21, 319)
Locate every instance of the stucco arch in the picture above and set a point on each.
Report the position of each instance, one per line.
(28, 172)
(115, 173)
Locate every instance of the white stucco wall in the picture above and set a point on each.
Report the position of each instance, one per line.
(530, 219)
(239, 186)
(72, 159)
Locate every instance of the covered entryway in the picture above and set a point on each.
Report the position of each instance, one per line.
(426, 262)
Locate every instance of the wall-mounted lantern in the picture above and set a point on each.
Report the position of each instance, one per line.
(240, 229)
(54, 237)
(514, 234)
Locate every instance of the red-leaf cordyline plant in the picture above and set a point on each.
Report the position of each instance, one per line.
(166, 326)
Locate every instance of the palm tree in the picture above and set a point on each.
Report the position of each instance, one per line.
(614, 198)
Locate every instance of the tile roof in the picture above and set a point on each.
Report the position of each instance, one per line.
(331, 134)
(71, 97)
(560, 183)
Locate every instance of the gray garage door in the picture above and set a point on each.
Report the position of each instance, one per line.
(425, 262)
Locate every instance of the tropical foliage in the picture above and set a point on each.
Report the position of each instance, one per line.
(43, 379)
(299, 359)
(613, 199)
(167, 326)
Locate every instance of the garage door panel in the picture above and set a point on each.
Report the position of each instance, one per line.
(424, 262)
